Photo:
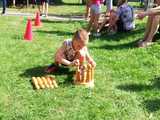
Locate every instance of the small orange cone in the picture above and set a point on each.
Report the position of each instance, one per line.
(28, 33)
(37, 21)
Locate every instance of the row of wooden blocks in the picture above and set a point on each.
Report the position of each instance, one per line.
(84, 74)
(44, 82)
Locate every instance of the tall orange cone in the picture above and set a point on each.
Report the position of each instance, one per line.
(28, 33)
(37, 21)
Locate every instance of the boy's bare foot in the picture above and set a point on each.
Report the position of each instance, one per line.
(142, 43)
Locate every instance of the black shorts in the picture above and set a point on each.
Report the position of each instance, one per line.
(120, 27)
(46, 1)
(38, 2)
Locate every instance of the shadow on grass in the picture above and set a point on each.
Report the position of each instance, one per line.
(152, 105)
(155, 84)
(60, 33)
(34, 72)
(120, 37)
(134, 87)
(39, 72)
(129, 45)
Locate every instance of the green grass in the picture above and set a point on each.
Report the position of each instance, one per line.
(126, 78)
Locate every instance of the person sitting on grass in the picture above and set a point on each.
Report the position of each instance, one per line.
(71, 50)
(152, 26)
(120, 20)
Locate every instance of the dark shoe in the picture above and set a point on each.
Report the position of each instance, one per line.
(51, 68)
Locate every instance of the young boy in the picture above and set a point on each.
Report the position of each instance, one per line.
(72, 50)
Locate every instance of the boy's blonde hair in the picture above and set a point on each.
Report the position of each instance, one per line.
(81, 35)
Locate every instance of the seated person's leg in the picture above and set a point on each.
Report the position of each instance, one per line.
(96, 22)
(103, 24)
(113, 22)
(152, 27)
(90, 25)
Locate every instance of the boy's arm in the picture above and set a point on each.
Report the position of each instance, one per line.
(60, 57)
(90, 59)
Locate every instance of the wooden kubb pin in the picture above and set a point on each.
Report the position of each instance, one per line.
(44, 82)
(85, 75)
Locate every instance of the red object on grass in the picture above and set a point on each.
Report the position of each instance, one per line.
(37, 21)
(28, 33)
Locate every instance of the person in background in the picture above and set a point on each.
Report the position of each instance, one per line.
(152, 26)
(95, 14)
(4, 4)
(88, 9)
(45, 7)
(109, 5)
(14, 3)
(39, 3)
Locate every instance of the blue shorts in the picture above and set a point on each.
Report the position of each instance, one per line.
(96, 8)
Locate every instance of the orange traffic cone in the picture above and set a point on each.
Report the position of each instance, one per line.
(28, 33)
(37, 21)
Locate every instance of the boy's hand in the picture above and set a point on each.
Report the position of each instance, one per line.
(93, 63)
(75, 62)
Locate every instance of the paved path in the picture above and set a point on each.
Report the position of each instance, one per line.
(55, 17)
(50, 17)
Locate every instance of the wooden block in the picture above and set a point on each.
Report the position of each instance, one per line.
(55, 84)
(40, 82)
(89, 75)
(78, 78)
(84, 73)
(35, 82)
(49, 82)
(92, 73)
(45, 82)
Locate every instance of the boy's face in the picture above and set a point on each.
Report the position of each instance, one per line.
(77, 45)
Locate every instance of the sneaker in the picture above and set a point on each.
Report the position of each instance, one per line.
(51, 68)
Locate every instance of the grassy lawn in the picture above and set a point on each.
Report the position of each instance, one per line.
(127, 79)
